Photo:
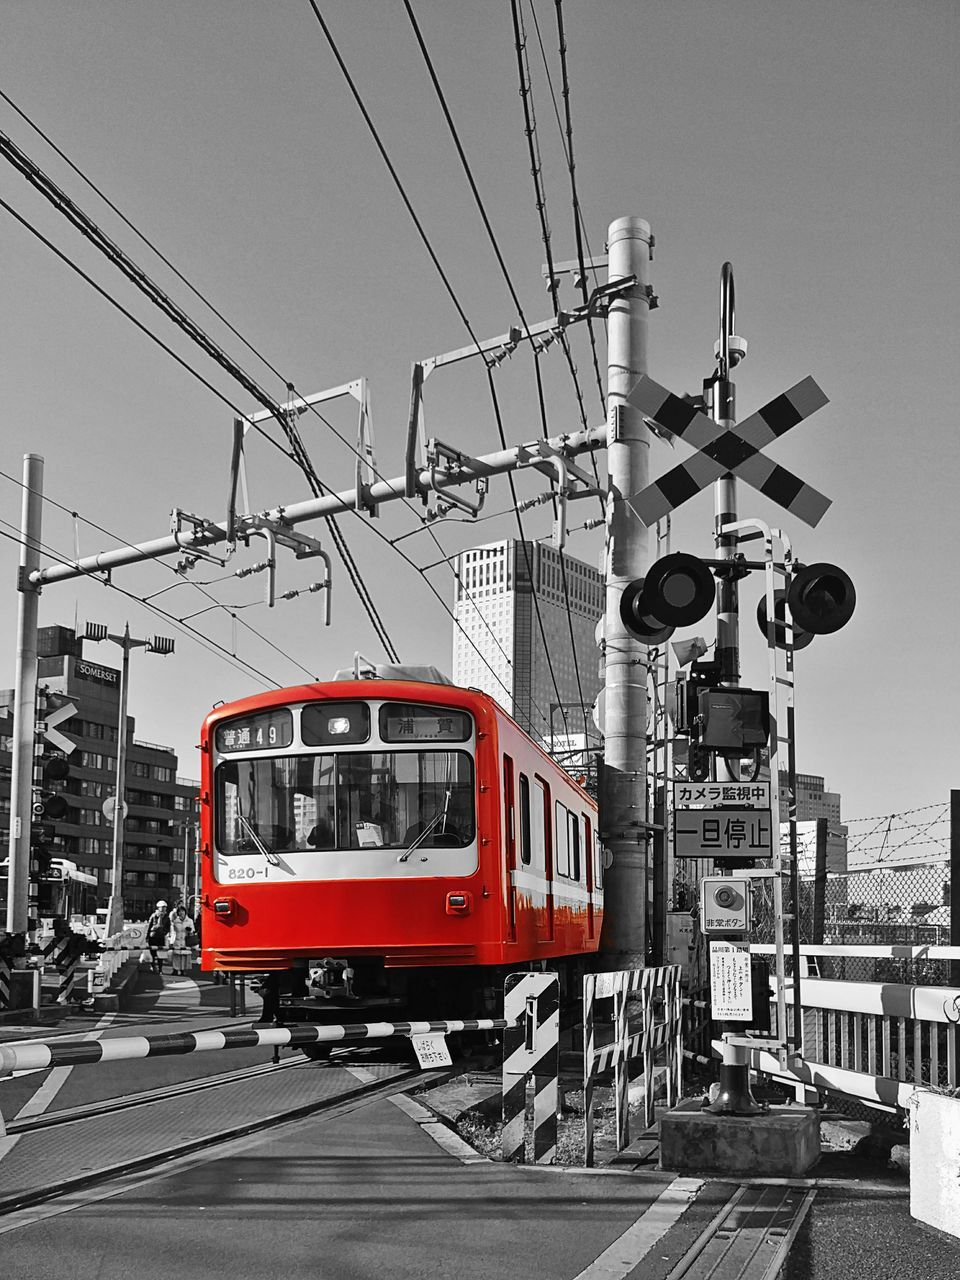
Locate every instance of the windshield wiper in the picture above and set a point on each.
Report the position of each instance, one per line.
(435, 821)
(270, 856)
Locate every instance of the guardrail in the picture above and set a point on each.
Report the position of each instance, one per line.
(876, 1042)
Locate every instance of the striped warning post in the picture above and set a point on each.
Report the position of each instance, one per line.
(531, 1010)
(6, 982)
(737, 450)
(68, 965)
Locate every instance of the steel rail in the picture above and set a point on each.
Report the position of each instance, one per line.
(360, 1096)
(149, 1097)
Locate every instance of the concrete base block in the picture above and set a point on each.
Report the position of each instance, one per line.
(784, 1142)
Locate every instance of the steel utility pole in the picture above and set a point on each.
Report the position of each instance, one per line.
(159, 644)
(623, 785)
(24, 699)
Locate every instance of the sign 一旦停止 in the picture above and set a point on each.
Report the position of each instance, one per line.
(722, 833)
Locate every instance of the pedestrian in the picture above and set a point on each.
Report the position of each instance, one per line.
(181, 927)
(158, 926)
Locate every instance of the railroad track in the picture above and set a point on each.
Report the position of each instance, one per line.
(750, 1238)
(78, 1119)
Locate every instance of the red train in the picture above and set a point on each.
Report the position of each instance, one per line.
(408, 836)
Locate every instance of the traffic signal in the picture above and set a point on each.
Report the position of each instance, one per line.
(677, 591)
(49, 804)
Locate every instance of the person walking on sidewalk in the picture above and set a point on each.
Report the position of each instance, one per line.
(158, 926)
(181, 927)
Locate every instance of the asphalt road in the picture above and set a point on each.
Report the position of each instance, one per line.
(368, 1192)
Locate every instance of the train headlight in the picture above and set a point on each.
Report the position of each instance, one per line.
(337, 725)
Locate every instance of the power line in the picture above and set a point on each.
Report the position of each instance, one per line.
(138, 233)
(114, 254)
(575, 200)
(133, 319)
(516, 300)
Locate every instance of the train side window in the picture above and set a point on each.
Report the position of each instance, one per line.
(525, 847)
(540, 822)
(562, 829)
(573, 845)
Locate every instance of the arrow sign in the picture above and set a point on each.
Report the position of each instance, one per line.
(53, 735)
(737, 450)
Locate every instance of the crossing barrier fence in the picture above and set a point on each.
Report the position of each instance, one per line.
(657, 991)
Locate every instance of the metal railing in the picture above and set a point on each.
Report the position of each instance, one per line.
(876, 1042)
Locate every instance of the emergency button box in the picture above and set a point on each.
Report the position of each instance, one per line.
(725, 904)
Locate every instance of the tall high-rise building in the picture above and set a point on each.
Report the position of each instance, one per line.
(518, 618)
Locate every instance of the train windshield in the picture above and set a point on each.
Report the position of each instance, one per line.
(346, 800)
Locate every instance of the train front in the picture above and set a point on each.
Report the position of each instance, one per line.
(342, 837)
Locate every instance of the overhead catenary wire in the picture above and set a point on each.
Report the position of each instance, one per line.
(241, 664)
(58, 557)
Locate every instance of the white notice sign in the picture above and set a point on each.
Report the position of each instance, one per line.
(730, 982)
(431, 1050)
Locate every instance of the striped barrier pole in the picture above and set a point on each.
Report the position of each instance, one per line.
(37, 1057)
(531, 1009)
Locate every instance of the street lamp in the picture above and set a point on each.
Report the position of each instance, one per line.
(158, 644)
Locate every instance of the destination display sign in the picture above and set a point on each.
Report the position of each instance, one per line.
(722, 833)
(256, 732)
(708, 795)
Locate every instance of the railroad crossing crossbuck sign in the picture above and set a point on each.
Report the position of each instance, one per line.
(724, 449)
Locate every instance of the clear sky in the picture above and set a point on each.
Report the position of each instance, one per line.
(813, 144)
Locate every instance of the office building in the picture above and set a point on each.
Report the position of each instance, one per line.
(159, 858)
(522, 608)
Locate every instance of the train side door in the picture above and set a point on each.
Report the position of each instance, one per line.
(510, 847)
(535, 846)
(589, 863)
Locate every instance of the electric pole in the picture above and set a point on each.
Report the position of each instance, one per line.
(623, 821)
(25, 693)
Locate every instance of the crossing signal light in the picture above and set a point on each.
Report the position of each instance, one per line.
(801, 638)
(822, 598)
(677, 591)
(637, 618)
